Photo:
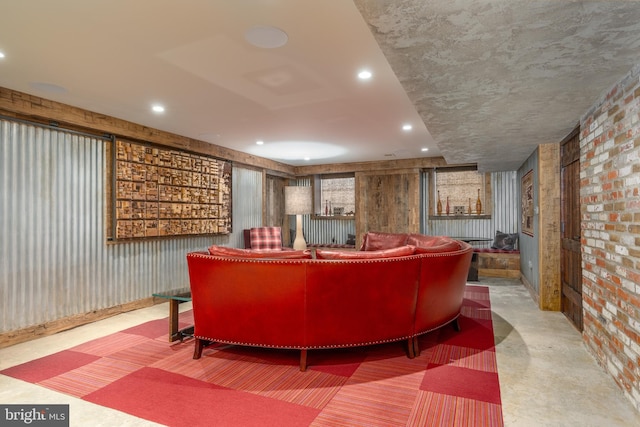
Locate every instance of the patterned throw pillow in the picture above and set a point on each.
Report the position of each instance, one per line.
(442, 245)
(266, 238)
(425, 241)
(505, 241)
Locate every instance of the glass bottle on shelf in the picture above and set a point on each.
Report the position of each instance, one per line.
(478, 204)
(326, 208)
(447, 205)
(469, 210)
(439, 204)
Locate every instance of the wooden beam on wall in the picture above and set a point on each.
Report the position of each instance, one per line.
(549, 227)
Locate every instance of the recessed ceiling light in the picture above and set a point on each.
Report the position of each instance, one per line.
(407, 127)
(158, 108)
(364, 75)
(259, 142)
(425, 149)
(307, 158)
(266, 37)
(1, 55)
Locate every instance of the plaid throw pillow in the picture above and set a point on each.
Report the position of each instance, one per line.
(266, 238)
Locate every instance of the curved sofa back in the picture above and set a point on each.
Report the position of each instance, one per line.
(443, 278)
(248, 301)
(359, 302)
(311, 303)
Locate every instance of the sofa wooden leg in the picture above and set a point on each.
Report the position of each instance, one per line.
(303, 360)
(410, 349)
(197, 352)
(416, 346)
(456, 325)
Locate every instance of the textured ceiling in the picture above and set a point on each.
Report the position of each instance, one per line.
(481, 81)
(493, 79)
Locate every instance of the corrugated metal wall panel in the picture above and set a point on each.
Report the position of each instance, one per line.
(54, 258)
(506, 200)
(247, 199)
(326, 231)
(461, 227)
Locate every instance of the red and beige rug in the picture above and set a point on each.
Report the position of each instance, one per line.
(454, 381)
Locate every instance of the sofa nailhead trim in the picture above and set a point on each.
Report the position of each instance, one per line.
(300, 347)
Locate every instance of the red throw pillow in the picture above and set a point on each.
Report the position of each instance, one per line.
(385, 253)
(444, 245)
(424, 241)
(216, 250)
(375, 241)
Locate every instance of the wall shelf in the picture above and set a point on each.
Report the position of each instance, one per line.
(334, 217)
(459, 217)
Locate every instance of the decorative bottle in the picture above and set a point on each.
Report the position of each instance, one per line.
(478, 204)
(439, 204)
(447, 205)
(326, 208)
(469, 210)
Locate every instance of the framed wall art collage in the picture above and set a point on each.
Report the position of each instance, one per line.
(160, 192)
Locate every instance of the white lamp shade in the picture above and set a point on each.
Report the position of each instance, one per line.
(297, 200)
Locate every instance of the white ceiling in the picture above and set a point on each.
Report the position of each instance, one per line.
(489, 79)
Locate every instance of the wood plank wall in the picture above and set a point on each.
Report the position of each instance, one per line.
(387, 201)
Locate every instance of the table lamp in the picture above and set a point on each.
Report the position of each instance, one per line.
(297, 201)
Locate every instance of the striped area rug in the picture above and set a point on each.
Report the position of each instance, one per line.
(454, 381)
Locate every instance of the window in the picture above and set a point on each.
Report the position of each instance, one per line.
(460, 189)
(334, 195)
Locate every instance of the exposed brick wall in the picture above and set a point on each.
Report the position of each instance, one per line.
(610, 209)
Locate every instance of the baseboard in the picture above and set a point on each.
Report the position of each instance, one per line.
(18, 336)
(531, 289)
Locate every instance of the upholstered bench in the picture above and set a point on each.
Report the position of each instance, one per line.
(498, 262)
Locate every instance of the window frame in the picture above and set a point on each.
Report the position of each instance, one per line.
(486, 197)
(318, 206)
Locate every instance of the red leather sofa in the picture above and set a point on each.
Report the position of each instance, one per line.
(397, 287)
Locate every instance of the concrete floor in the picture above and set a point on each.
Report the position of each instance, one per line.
(547, 378)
